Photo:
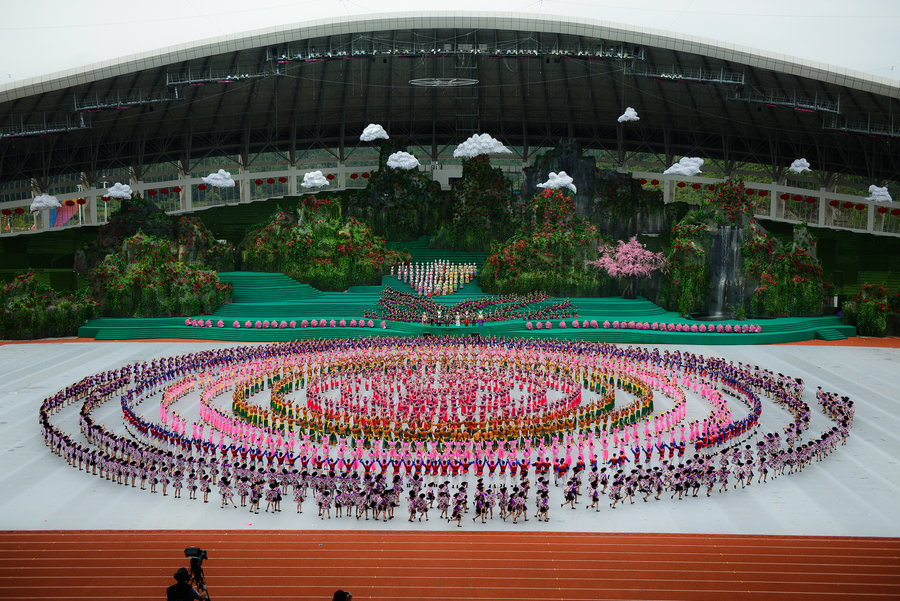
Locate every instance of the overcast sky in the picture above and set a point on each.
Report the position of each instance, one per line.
(45, 36)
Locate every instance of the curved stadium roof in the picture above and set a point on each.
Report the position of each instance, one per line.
(540, 79)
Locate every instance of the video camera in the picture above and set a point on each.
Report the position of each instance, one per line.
(197, 555)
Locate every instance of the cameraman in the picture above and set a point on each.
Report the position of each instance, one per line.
(182, 589)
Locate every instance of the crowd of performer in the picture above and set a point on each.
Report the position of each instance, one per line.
(359, 475)
(437, 278)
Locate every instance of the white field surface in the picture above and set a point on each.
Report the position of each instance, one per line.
(853, 492)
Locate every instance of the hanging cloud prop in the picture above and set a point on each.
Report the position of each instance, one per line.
(219, 179)
(314, 179)
(373, 131)
(629, 115)
(799, 166)
(558, 180)
(119, 190)
(480, 144)
(402, 160)
(687, 166)
(44, 201)
(877, 194)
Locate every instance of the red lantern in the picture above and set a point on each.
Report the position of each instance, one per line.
(353, 176)
(104, 198)
(164, 191)
(258, 182)
(270, 181)
(19, 210)
(834, 203)
(860, 207)
(366, 175)
(177, 189)
(848, 205)
(282, 180)
(70, 203)
(151, 192)
(749, 191)
(798, 197)
(696, 186)
(895, 212)
(81, 201)
(681, 184)
(330, 176)
(654, 182)
(643, 181)
(785, 196)
(6, 212)
(201, 187)
(763, 193)
(882, 210)
(811, 200)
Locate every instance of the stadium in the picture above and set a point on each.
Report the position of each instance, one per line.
(452, 187)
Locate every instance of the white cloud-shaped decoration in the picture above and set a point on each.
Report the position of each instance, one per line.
(687, 167)
(799, 166)
(119, 190)
(402, 160)
(373, 131)
(480, 144)
(558, 180)
(877, 194)
(44, 201)
(314, 179)
(219, 179)
(629, 115)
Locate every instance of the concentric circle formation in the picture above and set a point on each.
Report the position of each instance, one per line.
(360, 423)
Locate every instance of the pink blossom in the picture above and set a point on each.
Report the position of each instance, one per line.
(548, 325)
(606, 324)
(594, 324)
(304, 323)
(654, 326)
(208, 323)
(343, 323)
(720, 329)
(694, 328)
(236, 325)
(529, 326)
(574, 323)
(584, 324)
(362, 323)
(314, 323)
(258, 325)
(282, 325)
(631, 324)
(221, 324)
(728, 328)
(539, 325)
(265, 323)
(293, 324)
(187, 321)
(702, 327)
(744, 328)
(353, 323)
(371, 324)
(332, 323)
(248, 324)
(562, 324)
(616, 324)
(383, 325)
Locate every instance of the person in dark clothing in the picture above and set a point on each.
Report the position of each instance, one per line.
(182, 589)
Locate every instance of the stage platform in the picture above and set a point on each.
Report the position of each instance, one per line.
(275, 296)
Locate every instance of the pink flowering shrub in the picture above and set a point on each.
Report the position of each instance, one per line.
(529, 326)
(562, 324)
(539, 325)
(332, 323)
(574, 323)
(353, 323)
(282, 325)
(594, 324)
(744, 329)
(343, 323)
(615, 324)
(702, 327)
(383, 325)
(728, 328)
(654, 326)
(293, 324)
(304, 323)
(371, 324)
(548, 325)
(584, 323)
(208, 323)
(221, 324)
(694, 329)
(248, 324)
(314, 323)
(606, 324)
(236, 325)
(720, 329)
(187, 322)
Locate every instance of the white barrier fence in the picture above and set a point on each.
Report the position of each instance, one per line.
(818, 208)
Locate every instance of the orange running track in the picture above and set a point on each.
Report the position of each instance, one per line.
(424, 565)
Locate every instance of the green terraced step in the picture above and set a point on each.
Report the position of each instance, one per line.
(830, 334)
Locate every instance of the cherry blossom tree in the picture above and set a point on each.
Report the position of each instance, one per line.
(629, 261)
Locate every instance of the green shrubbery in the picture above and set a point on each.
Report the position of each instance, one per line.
(146, 279)
(868, 310)
(320, 250)
(29, 309)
